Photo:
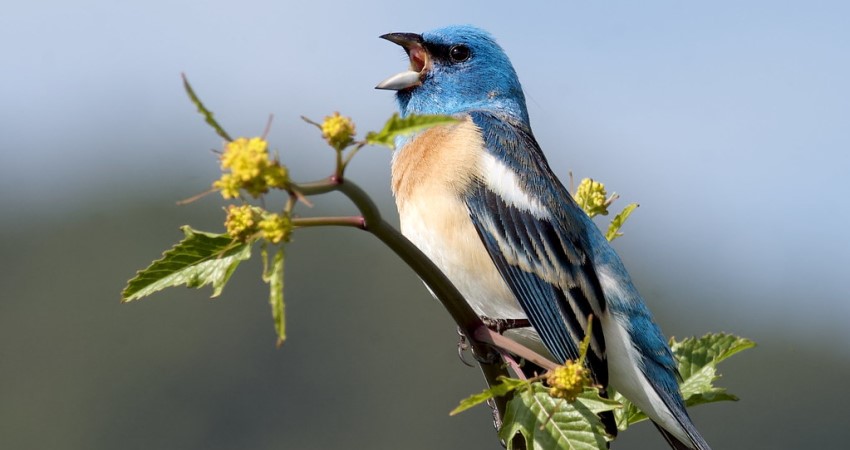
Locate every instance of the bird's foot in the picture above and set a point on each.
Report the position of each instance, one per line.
(463, 346)
(502, 325)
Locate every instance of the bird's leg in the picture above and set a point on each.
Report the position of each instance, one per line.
(523, 368)
(492, 357)
(502, 325)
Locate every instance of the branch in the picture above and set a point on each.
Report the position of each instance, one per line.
(480, 336)
(430, 274)
(344, 221)
(373, 222)
(319, 187)
(439, 284)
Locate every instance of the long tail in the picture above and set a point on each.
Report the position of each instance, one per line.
(698, 442)
(673, 401)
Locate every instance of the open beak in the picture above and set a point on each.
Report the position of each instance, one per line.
(420, 62)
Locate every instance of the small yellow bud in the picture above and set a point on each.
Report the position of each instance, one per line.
(338, 131)
(228, 185)
(256, 186)
(568, 381)
(250, 169)
(275, 227)
(246, 158)
(276, 176)
(240, 222)
(591, 197)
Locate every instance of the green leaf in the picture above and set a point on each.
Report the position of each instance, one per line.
(618, 221)
(697, 363)
(208, 115)
(396, 126)
(504, 386)
(548, 423)
(273, 275)
(698, 359)
(627, 415)
(199, 259)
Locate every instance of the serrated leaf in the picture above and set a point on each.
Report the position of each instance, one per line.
(397, 126)
(549, 423)
(502, 388)
(697, 360)
(199, 259)
(273, 275)
(208, 115)
(618, 221)
(715, 395)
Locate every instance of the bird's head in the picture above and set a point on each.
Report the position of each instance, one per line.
(453, 70)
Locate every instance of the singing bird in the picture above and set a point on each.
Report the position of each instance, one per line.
(479, 198)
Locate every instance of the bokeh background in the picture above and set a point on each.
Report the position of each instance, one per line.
(727, 121)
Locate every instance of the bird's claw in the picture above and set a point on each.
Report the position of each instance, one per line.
(462, 347)
(492, 357)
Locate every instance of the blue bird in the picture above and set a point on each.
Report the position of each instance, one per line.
(479, 198)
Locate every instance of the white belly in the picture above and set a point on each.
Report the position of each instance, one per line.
(445, 234)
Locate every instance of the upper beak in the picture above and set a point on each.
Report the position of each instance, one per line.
(420, 62)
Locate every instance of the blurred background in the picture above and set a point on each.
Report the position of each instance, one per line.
(727, 121)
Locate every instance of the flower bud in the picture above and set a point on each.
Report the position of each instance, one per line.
(338, 131)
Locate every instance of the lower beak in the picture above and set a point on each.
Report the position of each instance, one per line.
(420, 62)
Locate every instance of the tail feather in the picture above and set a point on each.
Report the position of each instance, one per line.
(694, 441)
(675, 444)
(674, 402)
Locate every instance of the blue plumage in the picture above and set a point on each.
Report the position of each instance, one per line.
(487, 80)
(481, 200)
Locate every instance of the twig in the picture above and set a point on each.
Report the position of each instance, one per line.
(443, 289)
(341, 221)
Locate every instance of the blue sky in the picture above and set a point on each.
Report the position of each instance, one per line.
(727, 121)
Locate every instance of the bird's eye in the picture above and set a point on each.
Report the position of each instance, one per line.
(459, 53)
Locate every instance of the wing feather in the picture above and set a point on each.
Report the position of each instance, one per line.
(545, 261)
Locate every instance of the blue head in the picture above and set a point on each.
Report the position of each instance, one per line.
(453, 70)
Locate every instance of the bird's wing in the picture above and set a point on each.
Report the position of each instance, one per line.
(550, 254)
(536, 236)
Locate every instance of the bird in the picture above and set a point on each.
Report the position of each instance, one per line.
(479, 198)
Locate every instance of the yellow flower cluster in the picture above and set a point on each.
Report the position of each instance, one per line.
(338, 131)
(276, 227)
(240, 222)
(250, 169)
(568, 381)
(592, 198)
(244, 222)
